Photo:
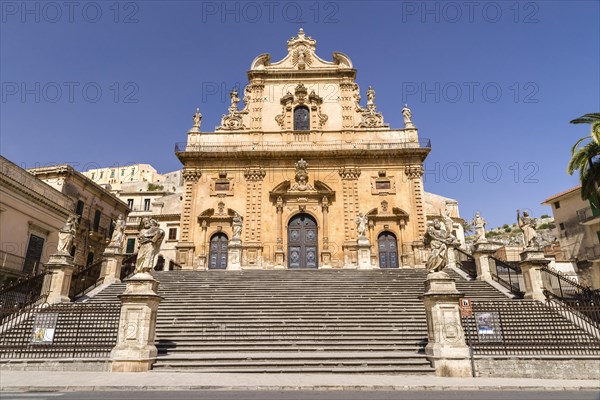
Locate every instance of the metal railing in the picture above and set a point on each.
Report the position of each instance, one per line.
(30, 291)
(466, 262)
(18, 264)
(71, 330)
(282, 146)
(508, 274)
(526, 328)
(579, 299)
(128, 266)
(85, 279)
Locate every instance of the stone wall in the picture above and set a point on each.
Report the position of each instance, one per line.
(539, 367)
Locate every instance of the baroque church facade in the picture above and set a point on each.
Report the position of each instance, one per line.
(303, 175)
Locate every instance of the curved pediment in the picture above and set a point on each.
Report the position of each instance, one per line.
(301, 56)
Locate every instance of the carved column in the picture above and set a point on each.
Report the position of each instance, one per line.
(203, 255)
(415, 174)
(185, 246)
(348, 104)
(325, 254)
(253, 219)
(349, 177)
(279, 252)
(256, 105)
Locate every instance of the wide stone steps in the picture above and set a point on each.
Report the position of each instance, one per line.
(294, 321)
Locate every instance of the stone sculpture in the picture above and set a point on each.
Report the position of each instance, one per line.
(439, 241)
(66, 235)
(118, 232)
(149, 241)
(527, 225)
(479, 224)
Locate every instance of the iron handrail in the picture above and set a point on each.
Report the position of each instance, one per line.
(22, 294)
(84, 279)
(507, 275)
(466, 262)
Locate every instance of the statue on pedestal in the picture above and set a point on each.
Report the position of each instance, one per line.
(66, 235)
(407, 114)
(479, 224)
(118, 233)
(439, 241)
(527, 225)
(237, 224)
(361, 224)
(149, 241)
(197, 118)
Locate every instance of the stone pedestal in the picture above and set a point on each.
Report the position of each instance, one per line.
(185, 255)
(451, 263)
(325, 260)
(481, 253)
(135, 350)
(279, 259)
(61, 269)
(234, 255)
(112, 260)
(532, 261)
(364, 253)
(446, 349)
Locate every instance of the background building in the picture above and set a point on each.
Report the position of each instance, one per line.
(31, 213)
(96, 207)
(578, 224)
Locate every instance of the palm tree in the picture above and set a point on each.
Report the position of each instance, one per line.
(585, 158)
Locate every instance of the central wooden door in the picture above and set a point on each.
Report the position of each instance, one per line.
(302, 242)
(388, 250)
(218, 251)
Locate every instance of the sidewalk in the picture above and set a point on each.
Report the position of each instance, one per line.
(20, 381)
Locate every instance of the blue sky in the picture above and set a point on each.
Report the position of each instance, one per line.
(492, 84)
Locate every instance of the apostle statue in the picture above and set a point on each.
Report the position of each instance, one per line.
(407, 114)
(66, 235)
(527, 225)
(361, 224)
(116, 239)
(149, 241)
(237, 224)
(479, 224)
(197, 118)
(439, 241)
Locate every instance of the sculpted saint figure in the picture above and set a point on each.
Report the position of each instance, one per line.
(197, 118)
(237, 224)
(361, 224)
(149, 241)
(439, 241)
(118, 233)
(407, 114)
(527, 225)
(66, 234)
(479, 224)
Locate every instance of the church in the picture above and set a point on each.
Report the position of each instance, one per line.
(304, 174)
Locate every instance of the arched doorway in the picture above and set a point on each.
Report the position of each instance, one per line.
(302, 242)
(387, 246)
(218, 251)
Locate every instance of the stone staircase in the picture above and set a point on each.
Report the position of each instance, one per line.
(295, 320)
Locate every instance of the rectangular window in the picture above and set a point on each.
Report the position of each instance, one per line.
(101, 174)
(222, 186)
(172, 233)
(146, 204)
(382, 185)
(130, 246)
(130, 203)
(93, 175)
(79, 210)
(557, 205)
(112, 173)
(34, 254)
(122, 172)
(97, 215)
(562, 226)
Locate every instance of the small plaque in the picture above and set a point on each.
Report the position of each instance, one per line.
(44, 327)
(466, 308)
(488, 326)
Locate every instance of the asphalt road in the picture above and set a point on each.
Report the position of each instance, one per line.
(310, 395)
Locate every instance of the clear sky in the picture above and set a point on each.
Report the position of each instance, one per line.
(492, 84)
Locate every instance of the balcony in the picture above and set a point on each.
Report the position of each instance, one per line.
(302, 148)
(592, 253)
(98, 235)
(585, 216)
